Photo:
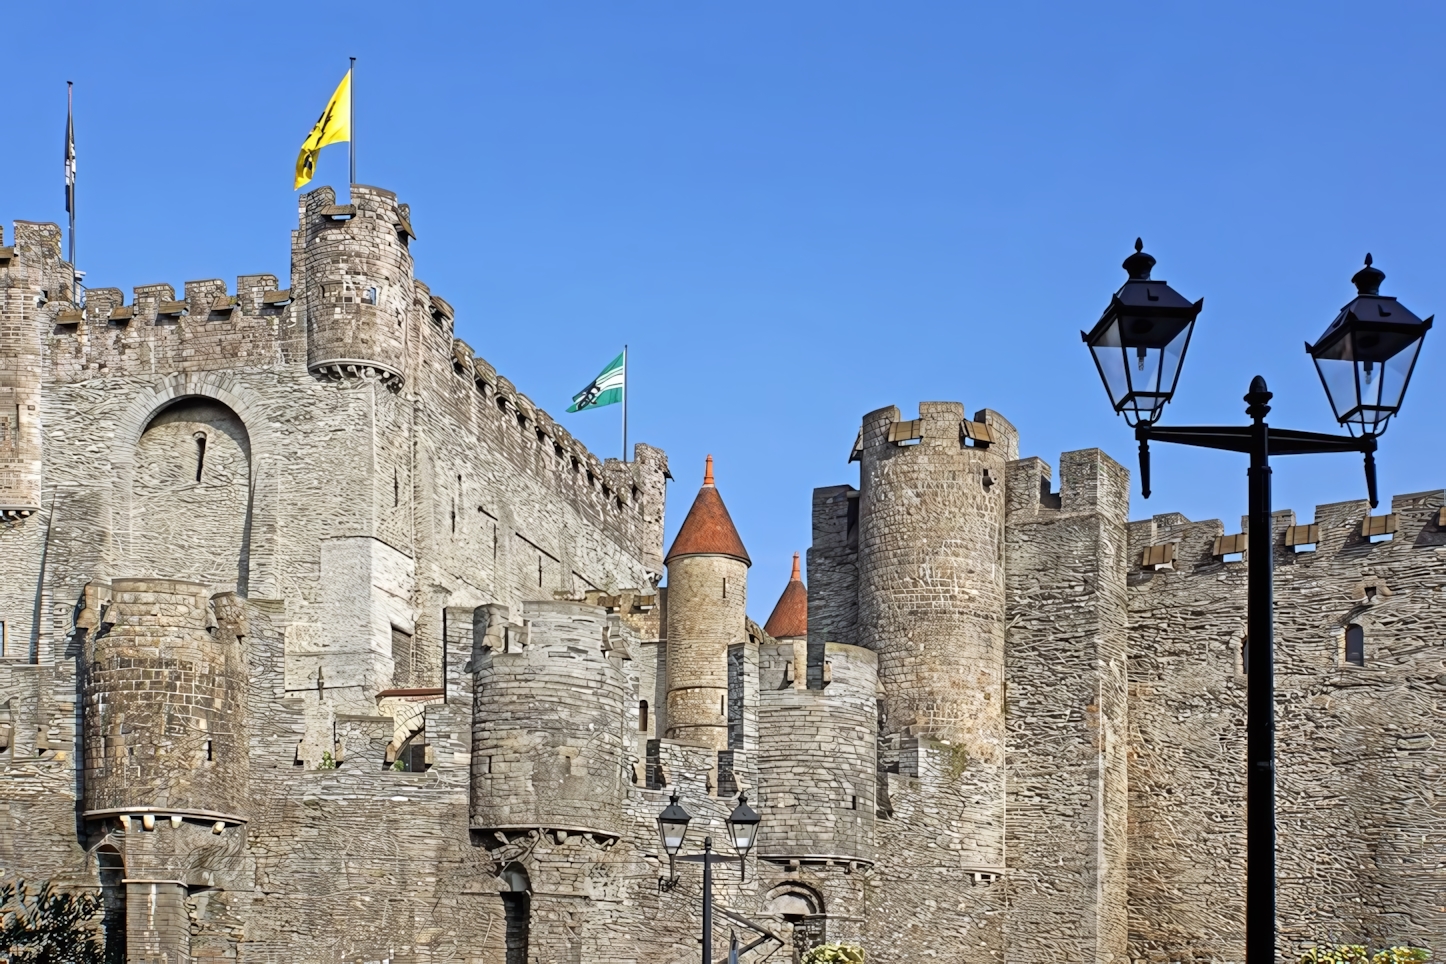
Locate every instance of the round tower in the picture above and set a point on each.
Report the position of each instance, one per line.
(821, 805)
(164, 701)
(706, 613)
(548, 724)
(356, 274)
(931, 571)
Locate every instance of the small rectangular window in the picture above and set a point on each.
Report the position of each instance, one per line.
(370, 297)
(4, 641)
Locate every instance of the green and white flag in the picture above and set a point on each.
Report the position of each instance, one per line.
(606, 389)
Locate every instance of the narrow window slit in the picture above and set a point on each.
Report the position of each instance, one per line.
(1355, 645)
(200, 455)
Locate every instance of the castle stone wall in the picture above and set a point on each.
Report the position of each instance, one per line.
(1353, 752)
(362, 679)
(1067, 718)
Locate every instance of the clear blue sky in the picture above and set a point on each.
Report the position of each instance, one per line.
(798, 212)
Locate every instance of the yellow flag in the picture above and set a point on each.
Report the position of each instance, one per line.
(332, 127)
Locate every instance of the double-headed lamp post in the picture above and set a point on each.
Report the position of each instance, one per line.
(742, 831)
(1365, 360)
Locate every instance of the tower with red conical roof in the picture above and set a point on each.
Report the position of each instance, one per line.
(707, 613)
(789, 620)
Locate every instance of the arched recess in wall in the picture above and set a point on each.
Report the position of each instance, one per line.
(517, 908)
(792, 900)
(261, 580)
(111, 868)
(191, 495)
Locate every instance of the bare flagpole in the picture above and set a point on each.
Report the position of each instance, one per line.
(351, 119)
(625, 403)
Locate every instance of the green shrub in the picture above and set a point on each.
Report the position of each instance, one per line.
(1359, 954)
(837, 953)
(44, 927)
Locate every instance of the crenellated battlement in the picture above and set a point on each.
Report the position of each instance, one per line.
(351, 311)
(1348, 531)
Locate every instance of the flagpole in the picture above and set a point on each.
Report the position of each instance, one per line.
(351, 119)
(625, 403)
(70, 136)
(70, 177)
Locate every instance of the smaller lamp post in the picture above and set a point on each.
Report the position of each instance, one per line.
(673, 825)
(743, 828)
(672, 828)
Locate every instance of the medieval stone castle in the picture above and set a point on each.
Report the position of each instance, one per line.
(322, 643)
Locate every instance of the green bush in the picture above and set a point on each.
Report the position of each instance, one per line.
(44, 927)
(837, 953)
(1359, 954)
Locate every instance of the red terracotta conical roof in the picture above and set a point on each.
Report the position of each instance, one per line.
(708, 530)
(790, 616)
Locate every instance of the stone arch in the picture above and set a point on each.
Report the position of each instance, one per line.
(191, 491)
(792, 899)
(257, 577)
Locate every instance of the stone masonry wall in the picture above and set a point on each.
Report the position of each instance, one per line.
(1358, 838)
(1067, 716)
(343, 682)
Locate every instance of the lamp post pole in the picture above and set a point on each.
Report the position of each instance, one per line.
(1260, 691)
(707, 900)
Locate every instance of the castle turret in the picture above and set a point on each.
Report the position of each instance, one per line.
(547, 724)
(789, 620)
(821, 805)
(931, 590)
(165, 685)
(931, 571)
(707, 603)
(356, 278)
(34, 293)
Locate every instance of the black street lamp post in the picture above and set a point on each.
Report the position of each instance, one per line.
(673, 827)
(1365, 360)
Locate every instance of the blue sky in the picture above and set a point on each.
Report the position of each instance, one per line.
(798, 212)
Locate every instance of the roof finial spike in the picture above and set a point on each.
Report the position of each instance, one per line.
(796, 577)
(708, 471)
(1140, 245)
(1368, 259)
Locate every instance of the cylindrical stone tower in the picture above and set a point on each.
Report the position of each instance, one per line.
(707, 613)
(164, 716)
(931, 571)
(818, 756)
(548, 723)
(358, 281)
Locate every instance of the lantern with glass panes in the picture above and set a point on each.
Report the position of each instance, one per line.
(1140, 341)
(1366, 356)
(742, 830)
(672, 828)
